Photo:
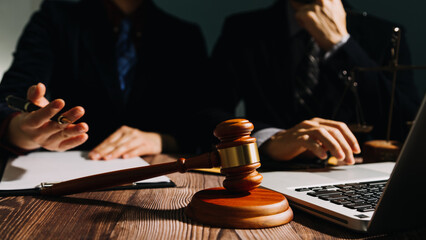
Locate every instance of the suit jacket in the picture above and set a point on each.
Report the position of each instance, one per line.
(253, 61)
(69, 46)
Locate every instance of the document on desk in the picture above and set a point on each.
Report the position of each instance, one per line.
(28, 172)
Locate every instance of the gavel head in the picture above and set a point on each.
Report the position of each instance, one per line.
(238, 154)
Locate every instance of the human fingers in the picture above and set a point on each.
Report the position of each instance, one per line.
(71, 115)
(334, 15)
(339, 132)
(125, 148)
(305, 14)
(322, 135)
(344, 129)
(44, 133)
(127, 142)
(147, 143)
(135, 143)
(73, 142)
(320, 27)
(74, 114)
(349, 158)
(106, 146)
(313, 146)
(36, 94)
(65, 141)
(54, 141)
(40, 117)
(325, 22)
(307, 124)
(141, 150)
(120, 146)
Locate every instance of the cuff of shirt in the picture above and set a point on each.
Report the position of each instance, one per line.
(336, 47)
(4, 144)
(265, 134)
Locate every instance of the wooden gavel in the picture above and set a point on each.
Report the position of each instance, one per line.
(240, 204)
(236, 154)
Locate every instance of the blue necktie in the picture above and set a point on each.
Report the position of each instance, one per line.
(125, 53)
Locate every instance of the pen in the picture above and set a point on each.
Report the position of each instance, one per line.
(24, 105)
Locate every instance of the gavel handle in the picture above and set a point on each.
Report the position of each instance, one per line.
(126, 176)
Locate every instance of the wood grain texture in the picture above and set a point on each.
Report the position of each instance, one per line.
(148, 214)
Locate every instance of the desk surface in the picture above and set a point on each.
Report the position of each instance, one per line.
(147, 214)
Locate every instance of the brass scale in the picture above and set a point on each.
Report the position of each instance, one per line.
(393, 67)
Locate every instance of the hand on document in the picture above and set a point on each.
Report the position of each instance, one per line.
(127, 142)
(315, 136)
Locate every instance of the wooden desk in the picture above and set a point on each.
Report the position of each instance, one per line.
(147, 214)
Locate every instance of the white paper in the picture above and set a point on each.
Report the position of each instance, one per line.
(29, 171)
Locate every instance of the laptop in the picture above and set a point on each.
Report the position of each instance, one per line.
(373, 197)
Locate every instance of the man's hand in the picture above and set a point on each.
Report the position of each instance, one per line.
(316, 136)
(325, 20)
(127, 142)
(33, 130)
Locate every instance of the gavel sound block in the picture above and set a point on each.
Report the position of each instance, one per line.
(239, 204)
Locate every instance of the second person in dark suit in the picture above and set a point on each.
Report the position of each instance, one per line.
(262, 58)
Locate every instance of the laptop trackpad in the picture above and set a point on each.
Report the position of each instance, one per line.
(331, 175)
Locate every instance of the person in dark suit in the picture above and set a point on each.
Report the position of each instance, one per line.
(124, 68)
(290, 63)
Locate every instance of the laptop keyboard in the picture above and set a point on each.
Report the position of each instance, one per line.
(362, 196)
